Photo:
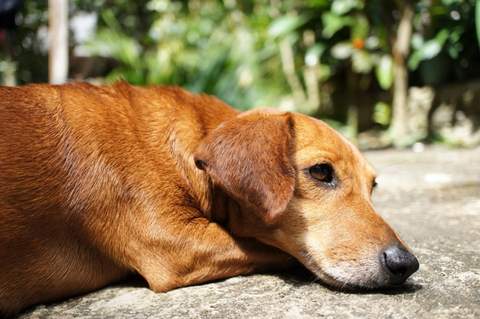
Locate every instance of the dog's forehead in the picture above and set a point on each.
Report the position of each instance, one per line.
(319, 138)
(311, 132)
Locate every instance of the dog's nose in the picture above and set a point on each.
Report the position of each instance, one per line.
(399, 263)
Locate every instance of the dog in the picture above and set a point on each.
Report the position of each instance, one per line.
(98, 182)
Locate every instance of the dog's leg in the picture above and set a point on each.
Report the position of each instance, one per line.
(201, 251)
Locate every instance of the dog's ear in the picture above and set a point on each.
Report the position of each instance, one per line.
(249, 157)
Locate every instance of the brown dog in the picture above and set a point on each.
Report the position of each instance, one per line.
(97, 182)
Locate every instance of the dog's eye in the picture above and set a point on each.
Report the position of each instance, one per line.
(322, 172)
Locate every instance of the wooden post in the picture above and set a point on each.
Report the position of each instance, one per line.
(401, 49)
(58, 41)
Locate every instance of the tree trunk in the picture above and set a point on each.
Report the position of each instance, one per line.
(8, 69)
(58, 41)
(288, 66)
(401, 48)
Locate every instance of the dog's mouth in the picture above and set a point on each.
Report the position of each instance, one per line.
(339, 284)
(351, 277)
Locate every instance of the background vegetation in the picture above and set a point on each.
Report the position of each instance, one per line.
(351, 62)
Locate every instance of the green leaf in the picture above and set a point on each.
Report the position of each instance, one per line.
(344, 6)
(109, 43)
(314, 53)
(427, 50)
(342, 50)
(332, 23)
(285, 24)
(431, 49)
(417, 41)
(318, 3)
(362, 61)
(384, 71)
(382, 113)
(360, 27)
(477, 19)
(324, 72)
(414, 60)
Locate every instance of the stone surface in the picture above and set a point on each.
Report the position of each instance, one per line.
(431, 198)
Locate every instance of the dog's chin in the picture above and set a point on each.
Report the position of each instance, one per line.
(348, 279)
(353, 285)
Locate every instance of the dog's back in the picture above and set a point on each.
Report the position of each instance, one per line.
(70, 157)
(41, 256)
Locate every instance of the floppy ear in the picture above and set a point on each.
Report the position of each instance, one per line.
(249, 157)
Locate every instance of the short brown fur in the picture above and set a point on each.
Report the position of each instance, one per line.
(97, 182)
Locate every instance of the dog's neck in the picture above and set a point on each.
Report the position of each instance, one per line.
(212, 201)
(236, 218)
(223, 208)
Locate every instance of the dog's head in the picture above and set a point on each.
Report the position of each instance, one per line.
(308, 191)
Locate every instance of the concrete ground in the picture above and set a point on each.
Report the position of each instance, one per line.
(431, 198)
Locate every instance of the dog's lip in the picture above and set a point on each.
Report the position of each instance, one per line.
(337, 284)
(311, 265)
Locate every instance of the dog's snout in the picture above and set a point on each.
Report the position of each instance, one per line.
(399, 263)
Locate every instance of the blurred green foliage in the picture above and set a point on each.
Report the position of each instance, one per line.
(302, 55)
